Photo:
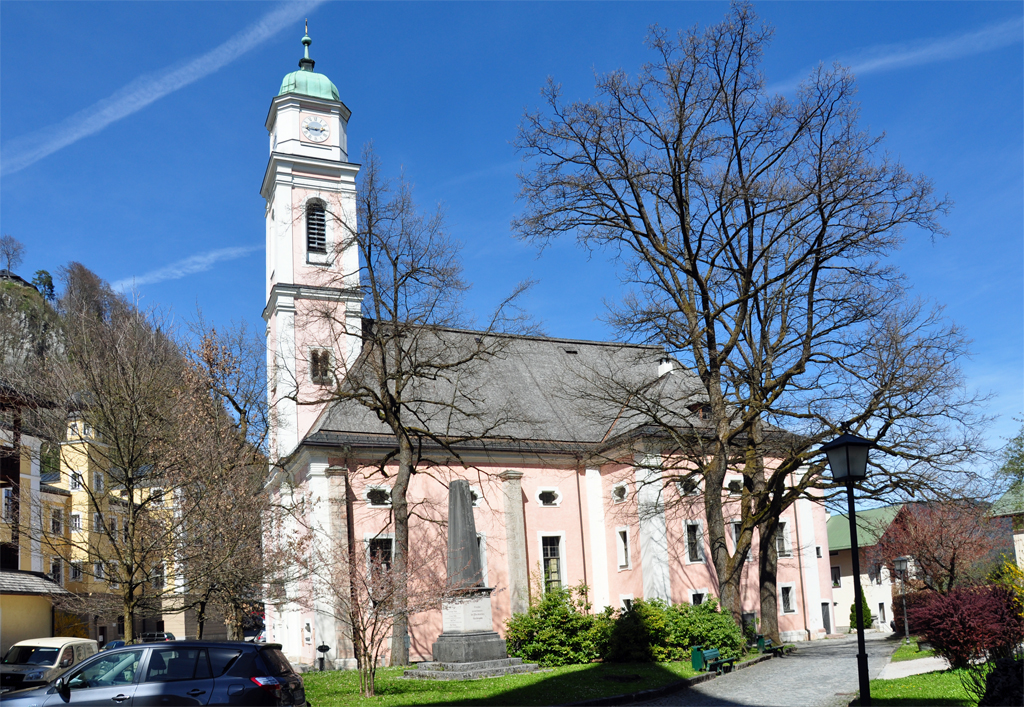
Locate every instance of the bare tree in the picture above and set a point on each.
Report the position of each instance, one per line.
(360, 585)
(753, 230)
(410, 373)
(12, 252)
(119, 401)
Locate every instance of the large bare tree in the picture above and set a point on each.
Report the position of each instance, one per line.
(753, 230)
(410, 374)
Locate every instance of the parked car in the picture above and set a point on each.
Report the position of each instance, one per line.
(156, 637)
(110, 645)
(38, 661)
(183, 673)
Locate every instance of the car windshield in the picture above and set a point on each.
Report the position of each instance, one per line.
(31, 655)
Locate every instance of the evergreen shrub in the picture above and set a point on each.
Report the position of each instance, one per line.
(557, 630)
(865, 613)
(656, 631)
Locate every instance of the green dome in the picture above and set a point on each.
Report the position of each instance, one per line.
(307, 82)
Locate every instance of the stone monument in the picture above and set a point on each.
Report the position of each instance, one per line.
(468, 629)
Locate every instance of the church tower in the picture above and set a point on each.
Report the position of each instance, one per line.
(313, 301)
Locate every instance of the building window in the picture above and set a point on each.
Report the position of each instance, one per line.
(56, 521)
(97, 482)
(156, 497)
(380, 554)
(97, 523)
(781, 544)
(622, 544)
(688, 487)
(788, 600)
(697, 598)
(8, 510)
(157, 577)
(481, 549)
(320, 366)
(316, 227)
(378, 496)
(875, 573)
(619, 493)
(97, 571)
(551, 550)
(76, 521)
(735, 487)
(477, 495)
(817, 551)
(75, 481)
(55, 571)
(112, 579)
(694, 543)
(549, 497)
(737, 527)
(75, 572)
(836, 577)
(881, 614)
(627, 603)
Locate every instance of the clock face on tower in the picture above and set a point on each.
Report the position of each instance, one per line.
(315, 128)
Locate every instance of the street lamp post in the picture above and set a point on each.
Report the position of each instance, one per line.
(900, 564)
(848, 459)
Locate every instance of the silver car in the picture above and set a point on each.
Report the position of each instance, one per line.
(37, 661)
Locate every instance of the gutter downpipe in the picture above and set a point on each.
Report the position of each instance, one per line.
(583, 543)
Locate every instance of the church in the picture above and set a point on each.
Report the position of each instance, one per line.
(570, 486)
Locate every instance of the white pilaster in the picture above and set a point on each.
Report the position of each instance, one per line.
(598, 537)
(653, 534)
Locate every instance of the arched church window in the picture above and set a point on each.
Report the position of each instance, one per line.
(316, 227)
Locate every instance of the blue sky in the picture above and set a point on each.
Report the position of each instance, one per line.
(133, 141)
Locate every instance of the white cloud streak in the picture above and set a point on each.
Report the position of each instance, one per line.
(193, 264)
(899, 56)
(28, 149)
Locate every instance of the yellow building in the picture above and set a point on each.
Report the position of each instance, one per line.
(31, 570)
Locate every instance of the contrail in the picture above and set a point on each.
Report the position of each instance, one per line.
(188, 266)
(28, 149)
(897, 56)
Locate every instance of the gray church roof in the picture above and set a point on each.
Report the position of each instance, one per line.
(533, 391)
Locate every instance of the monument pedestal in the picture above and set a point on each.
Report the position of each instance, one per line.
(468, 635)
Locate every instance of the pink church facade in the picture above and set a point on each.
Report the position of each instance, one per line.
(568, 491)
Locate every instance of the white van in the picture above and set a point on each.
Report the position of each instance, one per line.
(37, 661)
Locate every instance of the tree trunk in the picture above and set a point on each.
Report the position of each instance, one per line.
(400, 509)
(728, 568)
(768, 566)
(200, 619)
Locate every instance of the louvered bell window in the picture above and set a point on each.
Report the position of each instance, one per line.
(316, 228)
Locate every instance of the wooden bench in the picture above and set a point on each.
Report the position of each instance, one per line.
(767, 646)
(713, 660)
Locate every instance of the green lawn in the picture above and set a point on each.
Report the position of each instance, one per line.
(911, 651)
(573, 683)
(939, 689)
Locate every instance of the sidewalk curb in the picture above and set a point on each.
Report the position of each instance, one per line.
(663, 690)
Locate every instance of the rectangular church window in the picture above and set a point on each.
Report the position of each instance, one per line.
(551, 546)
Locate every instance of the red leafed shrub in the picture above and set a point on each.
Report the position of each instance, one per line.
(914, 600)
(979, 623)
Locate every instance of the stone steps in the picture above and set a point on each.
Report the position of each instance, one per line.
(432, 670)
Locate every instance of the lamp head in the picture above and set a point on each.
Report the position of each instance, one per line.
(848, 457)
(900, 564)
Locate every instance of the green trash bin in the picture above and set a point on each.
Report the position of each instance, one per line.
(760, 643)
(697, 658)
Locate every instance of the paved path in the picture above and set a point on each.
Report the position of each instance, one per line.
(913, 667)
(818, 674)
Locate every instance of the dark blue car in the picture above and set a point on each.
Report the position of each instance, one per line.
(179, 673)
